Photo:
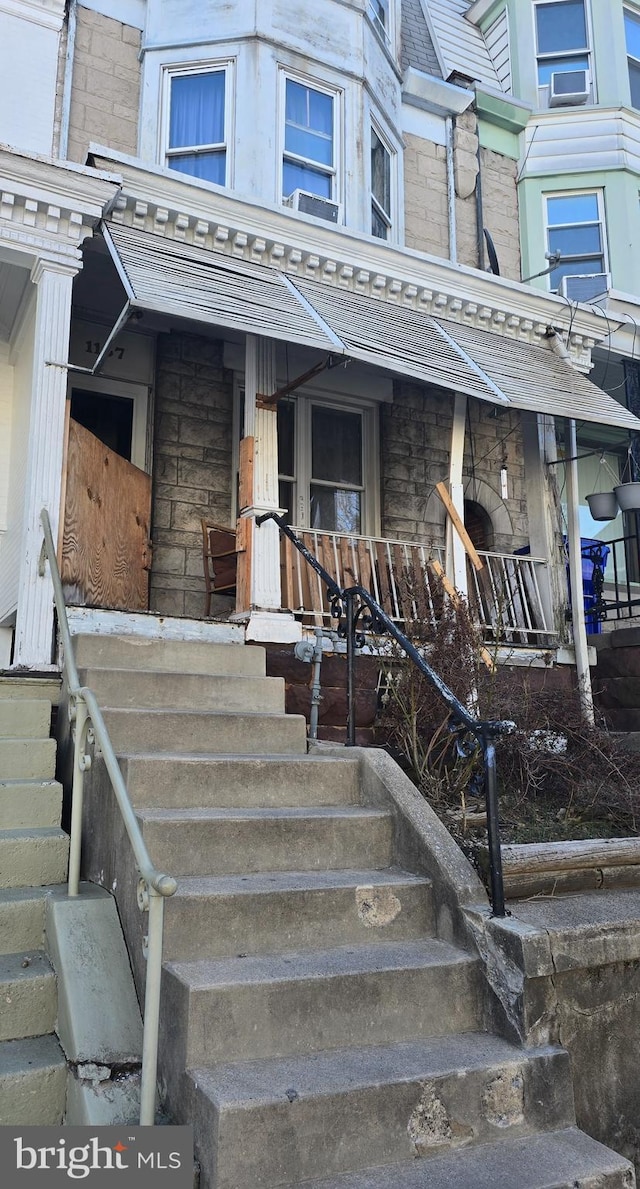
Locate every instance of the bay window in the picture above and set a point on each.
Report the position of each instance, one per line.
(196, 125)
(562, 42)
(632, 35)
(380, 187)
(575, 227)
(309, 158)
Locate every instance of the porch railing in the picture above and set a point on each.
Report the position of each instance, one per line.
(619, 593)
(505, 596)
(356, 608)
(86, 718)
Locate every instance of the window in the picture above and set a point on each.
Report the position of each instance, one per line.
(309, 140)
(575, 226)
(632, 34)
(379, 13)
(562, 41)
(196, 135)
(380, 188)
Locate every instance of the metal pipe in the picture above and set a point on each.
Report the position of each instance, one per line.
(79, 728)
(575, 577)
(493, 827)
(316, 687)
(451, 190)
(351, 660)
(67, 83)
(151, 1010)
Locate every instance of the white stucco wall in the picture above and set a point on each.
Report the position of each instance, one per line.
(29, 43)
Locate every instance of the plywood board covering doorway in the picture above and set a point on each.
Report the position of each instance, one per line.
(106, 552)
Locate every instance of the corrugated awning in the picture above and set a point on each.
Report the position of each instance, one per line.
(172, 277)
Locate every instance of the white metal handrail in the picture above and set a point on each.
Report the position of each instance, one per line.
(154, 886)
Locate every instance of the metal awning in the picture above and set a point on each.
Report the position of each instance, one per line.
(172, 277)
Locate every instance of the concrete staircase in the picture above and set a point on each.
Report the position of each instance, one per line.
(315, 1028)
(33, 858)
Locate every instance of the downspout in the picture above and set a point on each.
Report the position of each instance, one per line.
(451, 190)
(72, 21)
(479, 210)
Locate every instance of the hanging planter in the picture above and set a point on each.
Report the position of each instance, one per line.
(628, 497)
(603, 505)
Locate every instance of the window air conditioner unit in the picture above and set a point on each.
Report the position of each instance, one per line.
(586, 287)
(568, 87)
(313, 204)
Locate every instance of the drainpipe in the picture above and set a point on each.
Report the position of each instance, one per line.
(575, 575)
(479, 210)
(451, 190)
(72, 20)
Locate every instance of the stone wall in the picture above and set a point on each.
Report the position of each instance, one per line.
(425, 194)
(105, 93)
(192, 468)
(500, 207)
(415, 437)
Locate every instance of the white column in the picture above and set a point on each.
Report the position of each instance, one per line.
(456, 556)
(34, 617)
(267, 621)
(583, 672)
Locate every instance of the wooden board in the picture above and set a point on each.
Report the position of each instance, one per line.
(106, 551)
(244, 543)
(245, 478)
(452, 513)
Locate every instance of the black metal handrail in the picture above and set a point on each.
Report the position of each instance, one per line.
(357, 604)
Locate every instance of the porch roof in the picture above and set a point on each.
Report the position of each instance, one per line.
(173, 277)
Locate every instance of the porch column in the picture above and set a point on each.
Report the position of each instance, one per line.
(34, 617)
(456, 556)
(266, 620)
(543, 513)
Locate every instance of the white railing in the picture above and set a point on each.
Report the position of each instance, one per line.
(86, 717)
(505, 596)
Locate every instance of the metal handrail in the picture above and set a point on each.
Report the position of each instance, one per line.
(484, 732)
(154, 886)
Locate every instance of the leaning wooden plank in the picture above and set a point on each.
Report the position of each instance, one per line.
(454, 516)
(245, 477)
(526, 885)
(450, 590)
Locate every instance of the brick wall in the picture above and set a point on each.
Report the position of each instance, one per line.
(106, 85)
(192, 467)
(415, 442)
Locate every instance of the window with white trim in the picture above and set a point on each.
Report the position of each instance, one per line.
(575, 227)
(562, 38)
(196, 131)
(310, 149)
(379, 13)
(381, 187)
(632, 35)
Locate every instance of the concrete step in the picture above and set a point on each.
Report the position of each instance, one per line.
(398, 1102)
(563, 1159)
(33, 1082)
(22, 912)
(180, 731)
(27, 759)
(29, 803)
(212, 918)
(178, 656)
(185, 691)
(32, 858)
(25, 718)
(27, 994)
(241, 781)
(228, 841)
(304, 1001)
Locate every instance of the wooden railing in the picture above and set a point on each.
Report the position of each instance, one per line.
(505, 596)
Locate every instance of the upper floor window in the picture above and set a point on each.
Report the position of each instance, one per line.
(561, 37)
(575, 227)
(309, 159)
(632, 34)
(380, 188)
(379, 13)
(196, 135)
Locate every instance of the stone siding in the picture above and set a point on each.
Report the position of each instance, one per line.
(425, 194)
(415, 443)
(192, 468)
(500, 206)
(105, 93)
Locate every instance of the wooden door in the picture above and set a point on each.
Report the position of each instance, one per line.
(105, 551)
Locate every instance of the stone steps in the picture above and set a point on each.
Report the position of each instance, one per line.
(22, 918)
(33, 857)
(28, 995)
(25, 804)
(33, 1082)
(229, 841)
(375, 1105)
(562, 1159)
(168, 656)
(180, 731)
(158, 690)
(288, 910)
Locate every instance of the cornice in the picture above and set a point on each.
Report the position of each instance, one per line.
(48, 13)
(48, 207)
(161, 203)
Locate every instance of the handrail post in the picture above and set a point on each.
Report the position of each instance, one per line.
(493, 828)
(351, 665)
(151, 1010)
(79, 727)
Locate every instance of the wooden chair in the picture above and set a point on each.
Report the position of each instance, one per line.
(219, 559)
